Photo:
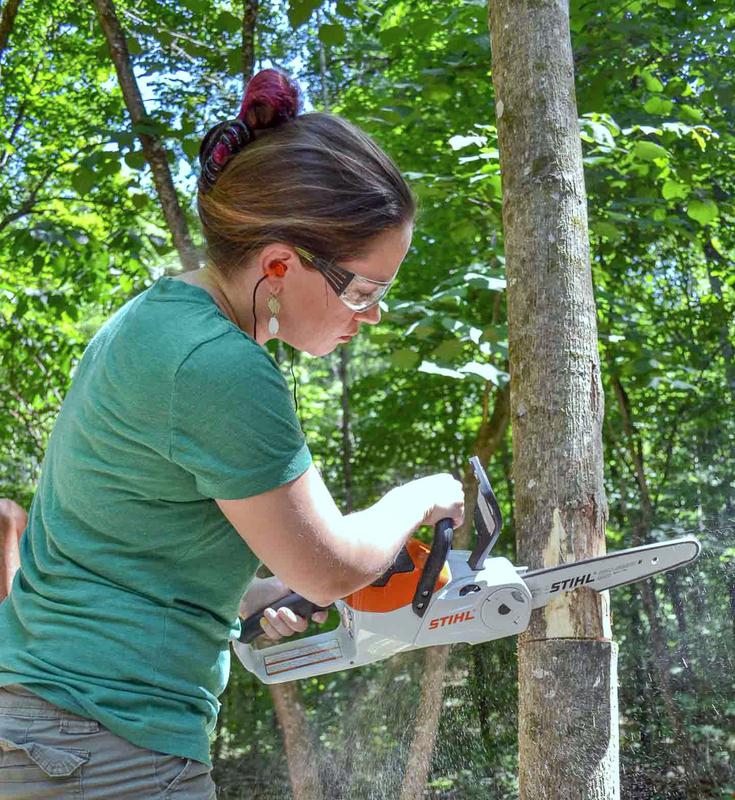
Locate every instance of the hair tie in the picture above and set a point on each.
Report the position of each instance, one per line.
(230, 139)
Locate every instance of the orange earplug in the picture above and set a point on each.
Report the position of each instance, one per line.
(277, 269)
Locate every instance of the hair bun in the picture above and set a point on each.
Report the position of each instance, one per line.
(271, 99)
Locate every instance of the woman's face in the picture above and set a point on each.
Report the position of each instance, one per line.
(313, 318)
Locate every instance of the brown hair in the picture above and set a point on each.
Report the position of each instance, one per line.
(312, 180)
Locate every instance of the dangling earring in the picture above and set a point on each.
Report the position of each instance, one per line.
(274, 307)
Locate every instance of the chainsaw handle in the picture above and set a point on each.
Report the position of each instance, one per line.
(443, 533)
(251, 628)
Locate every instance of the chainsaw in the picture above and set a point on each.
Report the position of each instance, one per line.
(434, 595)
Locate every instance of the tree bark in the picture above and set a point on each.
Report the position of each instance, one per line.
(567, 663)
(344, 376)
(153, 149)
(727, 348)
(487, 442)
(249, 20)
(7, 20)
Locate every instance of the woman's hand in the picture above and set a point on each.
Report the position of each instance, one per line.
(446, 498)
(275, 624)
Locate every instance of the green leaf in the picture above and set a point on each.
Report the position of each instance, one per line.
(332, 34)
(607, 230)
(439, 92)
(690, 113)
(191, 147)
(228, 22)
(673, 189)
(485, 281)
(135, 159)
(405, 359)
(649, 151)
(658, 105)
(652, 83)
(345, 8)
(449, 350)
(703, 211)
(717, 244)
(485, 371)
(597, 132)
(393, 35)
(299, 11)
(83, 180)
(111, 165)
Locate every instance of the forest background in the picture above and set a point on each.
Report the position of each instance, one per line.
(85, 224)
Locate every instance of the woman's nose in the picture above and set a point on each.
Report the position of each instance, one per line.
(371, 315)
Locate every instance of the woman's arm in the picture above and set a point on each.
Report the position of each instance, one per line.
(13, 521)
(300, 534)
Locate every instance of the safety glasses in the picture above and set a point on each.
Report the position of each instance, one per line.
(357, 292)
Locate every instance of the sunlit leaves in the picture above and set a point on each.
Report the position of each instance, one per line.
(652, 83)
(672, 190)
(649, 151)
(659, 105)
(457, 142)
(599, 129)
(704, 212)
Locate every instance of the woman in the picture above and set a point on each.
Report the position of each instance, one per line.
(177, 465)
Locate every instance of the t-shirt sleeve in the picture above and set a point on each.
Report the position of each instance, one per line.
(233, 425)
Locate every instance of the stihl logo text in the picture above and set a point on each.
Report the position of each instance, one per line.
(571, 583)
(452, 619)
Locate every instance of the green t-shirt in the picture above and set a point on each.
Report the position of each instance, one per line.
(130, 575)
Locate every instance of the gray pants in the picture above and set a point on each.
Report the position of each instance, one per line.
(47, 753)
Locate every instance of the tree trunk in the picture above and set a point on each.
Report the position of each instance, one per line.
(153, 149)
(726, 345)
(567, 663)
(488, 440)
(7, 19)
(302, 766)
(344, 376)
(249, 19)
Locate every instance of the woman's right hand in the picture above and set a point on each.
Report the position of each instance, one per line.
(442, 496)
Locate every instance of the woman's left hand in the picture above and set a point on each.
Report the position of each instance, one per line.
(275, 624)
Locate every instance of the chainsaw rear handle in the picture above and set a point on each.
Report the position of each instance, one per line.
(251, 628)
(437, 558)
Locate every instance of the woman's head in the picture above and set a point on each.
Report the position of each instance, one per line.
(311, 183)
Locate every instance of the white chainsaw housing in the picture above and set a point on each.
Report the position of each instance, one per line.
(499, 606)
